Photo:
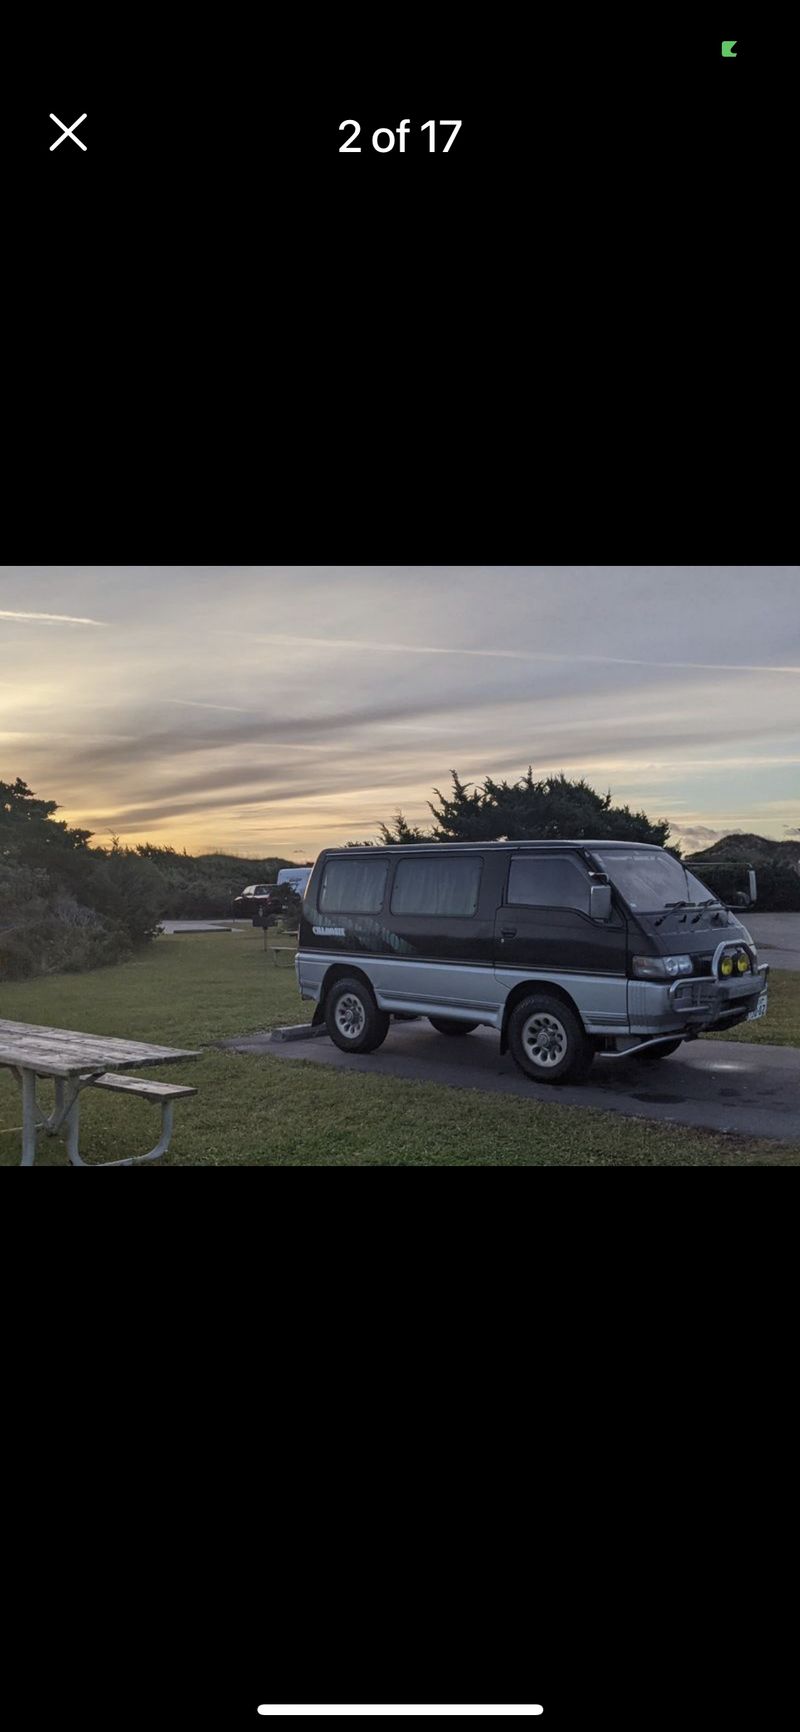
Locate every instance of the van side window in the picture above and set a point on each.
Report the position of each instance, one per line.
(549, 881)
(446, 887)
(353, 886)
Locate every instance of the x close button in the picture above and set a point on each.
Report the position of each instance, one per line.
(68, 132)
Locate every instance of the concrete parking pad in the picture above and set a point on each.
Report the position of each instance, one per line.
(715, 1085)
(172, 926)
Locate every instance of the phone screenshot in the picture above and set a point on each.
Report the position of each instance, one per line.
(399, 657)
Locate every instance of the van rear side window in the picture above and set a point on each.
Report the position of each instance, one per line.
(353, 886)
(548, 882)
(447, 887)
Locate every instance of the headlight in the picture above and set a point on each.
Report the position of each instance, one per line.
(751, 945)
(737, 960)
(661, 967)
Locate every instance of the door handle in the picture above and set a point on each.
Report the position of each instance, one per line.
(508, 932)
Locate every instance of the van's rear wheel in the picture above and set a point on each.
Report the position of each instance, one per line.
(653, 1052)
(352, 1017)
(548, 1041)
(451, 1025)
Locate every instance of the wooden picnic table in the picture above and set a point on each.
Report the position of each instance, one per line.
(77, 1061)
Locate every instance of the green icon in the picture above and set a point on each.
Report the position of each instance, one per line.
(727, 50)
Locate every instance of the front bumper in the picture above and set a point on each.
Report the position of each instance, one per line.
(695, 1002)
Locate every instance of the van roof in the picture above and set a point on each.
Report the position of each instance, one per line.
(470, 847)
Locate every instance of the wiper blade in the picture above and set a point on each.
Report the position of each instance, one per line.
(708, 902)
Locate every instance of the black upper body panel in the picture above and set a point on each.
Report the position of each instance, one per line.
(492, 928)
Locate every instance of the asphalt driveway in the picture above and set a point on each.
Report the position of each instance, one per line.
(716, 1085)
(777, 937)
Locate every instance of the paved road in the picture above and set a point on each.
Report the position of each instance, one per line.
(717, 1085)
(777, 937)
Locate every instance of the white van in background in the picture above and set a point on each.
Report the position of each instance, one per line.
(296, 876)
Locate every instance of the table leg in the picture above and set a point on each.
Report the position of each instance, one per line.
(28, 1118)
(51, 1124)
(71, 1122)
(153, 1154)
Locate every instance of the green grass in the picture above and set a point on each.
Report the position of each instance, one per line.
(192, 989)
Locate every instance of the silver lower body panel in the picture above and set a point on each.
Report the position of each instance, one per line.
(474, 994)
(608, 1004)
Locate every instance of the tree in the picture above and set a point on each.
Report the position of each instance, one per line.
(529, 810)
(399, 833)
(27, 824)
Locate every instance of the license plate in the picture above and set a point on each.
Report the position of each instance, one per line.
(760, 1010)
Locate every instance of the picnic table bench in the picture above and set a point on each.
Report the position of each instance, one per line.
(77, 1061)
(276, 950)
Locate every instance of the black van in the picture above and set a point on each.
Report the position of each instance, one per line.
(567, 948)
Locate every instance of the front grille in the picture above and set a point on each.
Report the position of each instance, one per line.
(687, 996)
(690, 995)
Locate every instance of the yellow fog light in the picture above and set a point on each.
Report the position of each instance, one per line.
(742, 964)
(726, 965)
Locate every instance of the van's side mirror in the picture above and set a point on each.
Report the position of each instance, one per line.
(600, 901)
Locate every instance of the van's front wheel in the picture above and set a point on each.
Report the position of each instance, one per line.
(548, 1041)
(353, 1019)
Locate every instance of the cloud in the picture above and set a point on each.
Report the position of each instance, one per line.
(50, 618)
(695, 837)
(320, 711)
(269, 731)
(420, 649)
(195, 704)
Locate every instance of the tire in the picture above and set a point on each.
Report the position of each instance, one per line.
(451, 1025)
(543, 1025)
(654, 1052)
(352, 1018)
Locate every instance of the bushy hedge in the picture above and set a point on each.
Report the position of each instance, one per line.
(46, 931)
(66, 905)
(203, 886)
(778, 888)
(92, 906)
(129, 892)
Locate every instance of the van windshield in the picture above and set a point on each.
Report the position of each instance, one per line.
(650, 881)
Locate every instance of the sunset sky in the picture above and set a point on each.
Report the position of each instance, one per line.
(273, 710)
